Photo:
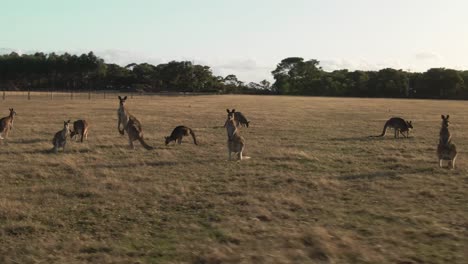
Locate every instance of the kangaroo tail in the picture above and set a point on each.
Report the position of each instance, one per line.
(193, 136)
(383, 132)
(143, 143)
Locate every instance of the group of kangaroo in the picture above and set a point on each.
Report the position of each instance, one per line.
(132, 126)
(446, 150)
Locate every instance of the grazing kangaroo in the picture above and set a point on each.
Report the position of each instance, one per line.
(6, 124)
(399, 125)
(235, 142)
(80, 127)
(131, 125)
(240, 119)
(179, 132)
(60, 138)
(446, 150)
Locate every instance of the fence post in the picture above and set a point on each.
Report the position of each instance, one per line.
(3, 95)
(89, 95)
(71, 95)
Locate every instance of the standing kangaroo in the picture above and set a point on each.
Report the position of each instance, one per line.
(444, 135)
(235, 141)
(80, 127)
(6, 124)
(131, 125)
(179, 132)
(446, 150)
(60, 138)
(399, 125)
(239, 119)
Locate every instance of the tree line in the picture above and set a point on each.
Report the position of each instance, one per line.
(40, 71)
(293, 76)
(297, 76)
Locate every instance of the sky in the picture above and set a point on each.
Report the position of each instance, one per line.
(245, 37)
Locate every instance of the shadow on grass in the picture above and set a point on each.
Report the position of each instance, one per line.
(27, 141)
(368, 138)
(365, 138)
(39, 151)
(369, 176)
(51, 151)
(135, 165)
(68, 152)
(395, 172)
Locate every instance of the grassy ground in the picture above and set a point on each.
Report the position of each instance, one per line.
(316, 189)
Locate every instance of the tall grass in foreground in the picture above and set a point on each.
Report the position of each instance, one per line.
(316, 189)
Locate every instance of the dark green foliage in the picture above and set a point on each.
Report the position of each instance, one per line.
(87, 72)
(293, 76)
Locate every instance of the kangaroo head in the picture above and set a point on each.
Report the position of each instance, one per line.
(12, 112)
(230, 115)
(66, 125)
(168, 139)
(445, 120)
(122, 100)
(409, 124)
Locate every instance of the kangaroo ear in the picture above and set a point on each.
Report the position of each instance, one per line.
(120, 98)
(68, 121)
(233, 110)
(227, 110)
(442, 116)
(448, 117)
(125, 98)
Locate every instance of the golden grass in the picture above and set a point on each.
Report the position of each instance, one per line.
(316, 189)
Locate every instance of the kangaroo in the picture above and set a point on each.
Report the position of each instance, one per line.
(240, 119)
(446, 150)
(399, 125)
(80, 127)
(235, 142)
(179, 132)
(60, 138)
(131, 125)
(6, 124)
(444, 135)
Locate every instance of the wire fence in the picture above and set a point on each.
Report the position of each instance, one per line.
(82, 95)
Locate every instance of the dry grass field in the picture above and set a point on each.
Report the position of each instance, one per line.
(317, 189)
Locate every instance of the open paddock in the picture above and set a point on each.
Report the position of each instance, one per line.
(317, 189)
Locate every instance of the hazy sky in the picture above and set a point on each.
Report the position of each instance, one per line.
(245, 37)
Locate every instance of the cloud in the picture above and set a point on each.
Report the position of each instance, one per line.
(340, 64)
(246, 70)
(241, 65)
(8, 51)
(427, 55)
(125, 57)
